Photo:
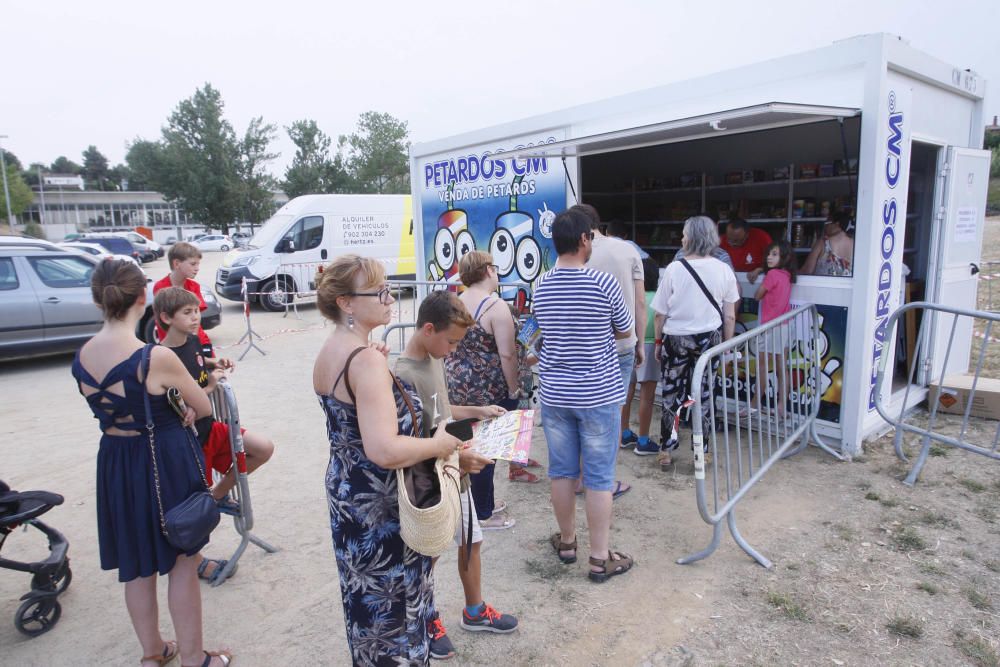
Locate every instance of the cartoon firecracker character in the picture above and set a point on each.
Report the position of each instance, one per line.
(515, 252)
(452, 242)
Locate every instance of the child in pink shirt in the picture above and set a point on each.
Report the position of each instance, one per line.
(774, 295)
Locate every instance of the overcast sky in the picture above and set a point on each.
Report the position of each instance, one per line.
(105, 73)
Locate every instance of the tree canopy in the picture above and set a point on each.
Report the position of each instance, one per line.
(378, 154)
(95, 169)
(20, 193)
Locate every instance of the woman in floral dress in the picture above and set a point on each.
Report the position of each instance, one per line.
(386, 586)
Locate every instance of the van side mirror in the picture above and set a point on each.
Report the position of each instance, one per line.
(286, 245)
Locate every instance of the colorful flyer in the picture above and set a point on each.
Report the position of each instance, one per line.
(506, 437)
(530, 333)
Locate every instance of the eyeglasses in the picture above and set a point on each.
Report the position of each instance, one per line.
(495, 267)
(383, 295)
(590, 235)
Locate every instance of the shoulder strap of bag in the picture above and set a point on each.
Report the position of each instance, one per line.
(409, 403)
(704, 290)
(345, 373)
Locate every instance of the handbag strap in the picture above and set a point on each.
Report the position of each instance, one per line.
(704, 290)
(146, 353)
(409, 403)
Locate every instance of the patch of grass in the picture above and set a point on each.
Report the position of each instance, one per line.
(546, 569)
(969, 554)
(931, 568)
(871, 495)
(978, 599)
(906, 626)
(844, 532)
(792, 566)
(888, 502)
(972, 485)
(942, 520)
(978, 651)
(789, 607)
(938, 450)
(986, 513)
(928, 588)
(992, 565)
(908, 539)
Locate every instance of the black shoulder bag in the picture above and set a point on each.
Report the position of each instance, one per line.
(704, 290)
(189, 522)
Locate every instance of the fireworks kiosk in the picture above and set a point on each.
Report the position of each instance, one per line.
(869, 126)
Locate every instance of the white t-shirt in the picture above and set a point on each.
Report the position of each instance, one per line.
(685, 306)
(622, 261)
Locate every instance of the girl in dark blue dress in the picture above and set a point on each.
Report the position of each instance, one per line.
(386, 586)
(111, 375)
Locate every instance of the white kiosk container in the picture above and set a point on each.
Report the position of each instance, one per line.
(868, 124)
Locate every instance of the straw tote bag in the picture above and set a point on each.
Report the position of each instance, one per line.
(430, 508)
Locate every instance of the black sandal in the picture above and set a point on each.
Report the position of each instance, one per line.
(618, 563)
(559, 545)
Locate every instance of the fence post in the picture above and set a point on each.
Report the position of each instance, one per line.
(249, 334)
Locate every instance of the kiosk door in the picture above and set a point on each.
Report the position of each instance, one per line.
(961, 241)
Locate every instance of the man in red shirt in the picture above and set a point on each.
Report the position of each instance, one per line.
(746, 245)
(185, 259)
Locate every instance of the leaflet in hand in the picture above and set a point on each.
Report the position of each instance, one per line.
(530, 333)
(506, 437)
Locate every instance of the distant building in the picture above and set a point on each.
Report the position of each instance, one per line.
(64, 209)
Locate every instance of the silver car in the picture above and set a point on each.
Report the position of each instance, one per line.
(46, 304)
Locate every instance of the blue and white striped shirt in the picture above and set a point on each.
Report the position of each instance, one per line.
(578, 310)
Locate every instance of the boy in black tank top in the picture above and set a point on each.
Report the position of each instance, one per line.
(176, 310)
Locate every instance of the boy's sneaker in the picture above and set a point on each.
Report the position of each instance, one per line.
(647, 447)
(441, 646)
(629, 439)
(489, 620)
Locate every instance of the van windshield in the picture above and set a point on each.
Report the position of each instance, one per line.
(270, 231)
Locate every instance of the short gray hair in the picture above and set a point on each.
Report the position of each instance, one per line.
(702, 236)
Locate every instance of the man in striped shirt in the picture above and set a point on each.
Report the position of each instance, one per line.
(581, 312)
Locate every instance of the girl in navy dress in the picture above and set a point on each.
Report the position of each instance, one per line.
(112, 376)
(386, 587)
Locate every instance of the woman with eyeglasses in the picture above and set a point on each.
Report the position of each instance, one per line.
(386, 587)
(486, 370)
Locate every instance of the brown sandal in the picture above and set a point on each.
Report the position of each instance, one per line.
(559, 545)
(618, 562)
(169, 653)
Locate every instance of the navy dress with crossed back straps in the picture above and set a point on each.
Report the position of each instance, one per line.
(128, 517)
(386, 587)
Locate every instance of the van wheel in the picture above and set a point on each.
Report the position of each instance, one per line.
(147, 329)
(273, 296)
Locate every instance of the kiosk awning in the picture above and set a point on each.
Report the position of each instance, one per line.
(746, 119)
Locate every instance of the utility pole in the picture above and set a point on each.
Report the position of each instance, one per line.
(6, 190)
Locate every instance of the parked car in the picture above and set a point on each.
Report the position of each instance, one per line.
(241, 239)
(215, 242)
(116, 245)
(141, 241)
(195, 237)
(45, 300)
(95, 250)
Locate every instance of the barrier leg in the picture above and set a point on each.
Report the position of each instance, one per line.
(753, 553)
(707, 551)
(925, 449)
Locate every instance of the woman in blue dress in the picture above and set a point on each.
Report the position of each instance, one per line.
(386, 586)
(112, 375)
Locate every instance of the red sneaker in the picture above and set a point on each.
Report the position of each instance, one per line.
(521, 475)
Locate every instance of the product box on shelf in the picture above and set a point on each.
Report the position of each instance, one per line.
(825, 170)
(748, 176)
(808, 170)
(780, 173)
(690, 179)
(734, 177)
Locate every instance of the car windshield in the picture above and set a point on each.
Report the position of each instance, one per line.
(270, 231)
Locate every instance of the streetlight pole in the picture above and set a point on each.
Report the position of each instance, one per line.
(6, 190)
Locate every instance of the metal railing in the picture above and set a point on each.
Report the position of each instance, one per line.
(939, 394)
(763, 399)
(225, 410)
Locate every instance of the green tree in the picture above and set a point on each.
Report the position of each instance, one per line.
(20, 193)
(120, 176)
(63, 165)
(95, 169)
(30, 175)
(10, 159)
(146, 162)
(310, 167)
(201, 157)
(378, 154)
(257, 185)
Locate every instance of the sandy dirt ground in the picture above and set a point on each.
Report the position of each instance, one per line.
(867, 571)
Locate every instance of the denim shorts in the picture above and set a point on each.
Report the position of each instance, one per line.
(589, 435)
(626, 364)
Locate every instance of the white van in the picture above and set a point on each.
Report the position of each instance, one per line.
(282, 257)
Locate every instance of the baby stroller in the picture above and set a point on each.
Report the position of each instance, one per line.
(40, 610)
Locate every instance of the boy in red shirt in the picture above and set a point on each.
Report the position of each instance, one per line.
(746, 245)
(184, 260)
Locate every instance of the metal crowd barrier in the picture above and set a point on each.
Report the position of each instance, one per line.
(746, 432)
(989, 273)
(928, 435)
(224, 409)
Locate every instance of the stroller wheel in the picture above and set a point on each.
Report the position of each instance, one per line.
(58, 582)
(36, 616)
